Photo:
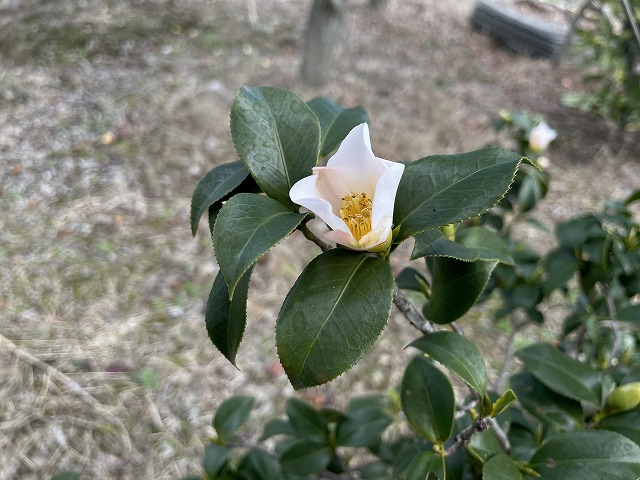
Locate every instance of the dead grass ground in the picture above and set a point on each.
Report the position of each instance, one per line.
(110, 113)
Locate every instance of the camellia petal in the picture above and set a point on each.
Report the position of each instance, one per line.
(354, 194)
(541, 136)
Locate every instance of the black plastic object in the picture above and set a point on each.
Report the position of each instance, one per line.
(521, 33)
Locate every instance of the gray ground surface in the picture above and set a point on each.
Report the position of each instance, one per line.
(109, 115)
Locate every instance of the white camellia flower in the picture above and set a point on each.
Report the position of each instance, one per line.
(541, 136)
(354, 194)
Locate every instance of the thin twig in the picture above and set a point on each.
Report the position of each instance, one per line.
(479, 425)
(574, 24)
(632, 20)
(309, 235)
(411, 313)
(463, 409)
(501, 435)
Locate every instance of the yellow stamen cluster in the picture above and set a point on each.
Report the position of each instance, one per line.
(356, 213)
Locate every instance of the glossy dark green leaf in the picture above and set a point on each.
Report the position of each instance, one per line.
(575, 232)
(225, 319)
(457, 354)
(335, 122)
(231, 415)
(424, 464)
(215, 458)
(307, 421)
(277, 136)
(424, 240)
(277, 426)
(362, 427)
(258, 464)
(375, 471)
(625, 423)
(475, 243)
(589, 455)
(628, 313)
(303, 458)
(557, 410)
(427, 400)
(214, 187)
(500, 467)
(561, 373)
(533, 187)
(247, 226)
(560, 266)
(445, 189)
(411, 279)
(455, 287)
(485, 445)
(333, 314)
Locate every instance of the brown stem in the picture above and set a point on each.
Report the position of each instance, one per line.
(479, 425)
(411, 313)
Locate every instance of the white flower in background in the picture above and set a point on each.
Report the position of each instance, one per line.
(541, 136)
(354, 194)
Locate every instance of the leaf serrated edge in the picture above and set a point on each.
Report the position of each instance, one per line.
(513, 177)
(195, 223)
(297, 388)
(266, 251)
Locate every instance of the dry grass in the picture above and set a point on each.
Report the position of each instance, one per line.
(108, 119)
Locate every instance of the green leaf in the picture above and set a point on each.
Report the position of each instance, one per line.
(445, 189)
(427, 400)
(214, 187)
(277, 136)
(457, 354)
(475, 243)
(231, 414)
(333, 314)
(247, 226)
(500, 467)
(362, 427)
(589, 455)
(225, 319)
(560, 266)
(628, 313)
(335, 122)
(67, 476)
(215, 458)
(625, 423)
(424, 464)
(559, 411)
(277, 426)
(455, 287)
(307, 421)
(561, 373)
(258, 464)
(304, 458)
(502, 403)
(411, 279)
(485, 445)
(575, 232)
(375, 471)
(424, 240)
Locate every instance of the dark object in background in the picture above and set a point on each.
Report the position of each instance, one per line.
(517, 31)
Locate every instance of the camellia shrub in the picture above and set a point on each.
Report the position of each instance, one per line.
(608, 45)
(571, 412)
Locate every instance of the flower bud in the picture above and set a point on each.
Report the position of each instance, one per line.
(623, 398)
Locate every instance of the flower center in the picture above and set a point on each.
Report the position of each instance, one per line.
(356, 213)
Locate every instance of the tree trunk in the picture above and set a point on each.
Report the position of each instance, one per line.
(323, 33)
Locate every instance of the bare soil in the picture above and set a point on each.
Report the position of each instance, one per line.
(110, 112)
